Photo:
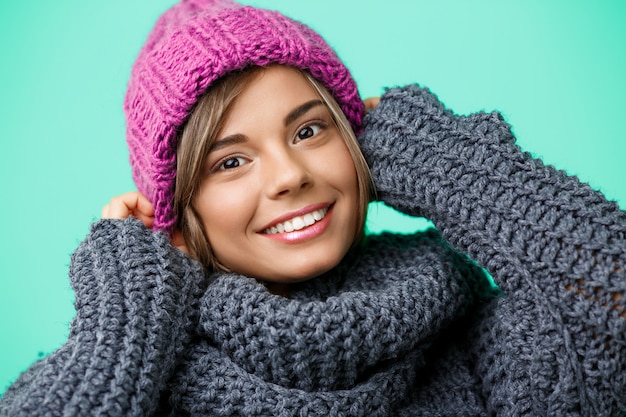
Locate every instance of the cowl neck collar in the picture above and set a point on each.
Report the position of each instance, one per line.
(338, 330)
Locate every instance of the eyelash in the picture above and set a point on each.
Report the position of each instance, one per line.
(219, 166)
(317, 123)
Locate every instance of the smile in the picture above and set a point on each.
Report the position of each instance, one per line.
(298, 222)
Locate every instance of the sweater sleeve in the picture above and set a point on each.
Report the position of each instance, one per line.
(554, 246)
(136, 300)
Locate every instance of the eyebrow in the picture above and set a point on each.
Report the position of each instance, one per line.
(228, 141)
(302, 109)
(290, 118)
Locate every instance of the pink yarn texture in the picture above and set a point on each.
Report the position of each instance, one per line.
(193, 44)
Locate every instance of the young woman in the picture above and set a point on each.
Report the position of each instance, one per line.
(238, 280)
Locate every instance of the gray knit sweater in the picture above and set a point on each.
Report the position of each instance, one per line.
(407, 325)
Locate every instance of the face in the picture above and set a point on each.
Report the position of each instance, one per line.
(278, 197)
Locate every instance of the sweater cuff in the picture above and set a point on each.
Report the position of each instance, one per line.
(136, 302)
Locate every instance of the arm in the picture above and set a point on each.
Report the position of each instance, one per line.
(135, 303)
(555, 247)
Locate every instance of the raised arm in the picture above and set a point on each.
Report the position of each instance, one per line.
(555, 247)
(135, 303)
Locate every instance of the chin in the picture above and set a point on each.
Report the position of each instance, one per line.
(306, 271)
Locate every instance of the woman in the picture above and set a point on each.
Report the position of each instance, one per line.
(239, 129)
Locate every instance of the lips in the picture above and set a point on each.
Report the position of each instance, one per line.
(297, 222)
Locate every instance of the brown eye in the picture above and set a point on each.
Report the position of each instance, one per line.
(231, 163)
(308, 132)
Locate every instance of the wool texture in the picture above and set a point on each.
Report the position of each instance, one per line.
(192, 45)
(408, 325)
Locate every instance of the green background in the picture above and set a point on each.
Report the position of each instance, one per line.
(555, 69)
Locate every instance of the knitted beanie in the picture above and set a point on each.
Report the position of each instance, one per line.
(193, 44)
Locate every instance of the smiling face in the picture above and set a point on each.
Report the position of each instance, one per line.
(278, 196)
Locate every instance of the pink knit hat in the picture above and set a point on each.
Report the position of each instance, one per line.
(193, 44)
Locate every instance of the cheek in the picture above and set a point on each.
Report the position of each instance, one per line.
(339, 166)
(224, 209)
(349, 172)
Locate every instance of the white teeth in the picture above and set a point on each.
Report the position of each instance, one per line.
(298, 222)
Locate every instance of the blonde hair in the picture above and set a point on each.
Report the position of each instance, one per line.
(200, 132)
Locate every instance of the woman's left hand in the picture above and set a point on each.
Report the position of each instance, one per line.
(371, 103)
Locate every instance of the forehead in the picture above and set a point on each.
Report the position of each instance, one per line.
(277, 84)
(269, 97)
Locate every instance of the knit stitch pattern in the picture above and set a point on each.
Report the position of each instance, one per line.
(193, 44)
(136, 300)
(556, 344)
(355, 352)
(405, 326)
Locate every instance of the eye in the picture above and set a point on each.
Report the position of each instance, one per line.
(308, 131)
(231, 163)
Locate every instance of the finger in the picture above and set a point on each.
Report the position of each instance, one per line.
(371, 103)
(144, 210)
(148, 221)
(120, 207)
(105, 212)
(144, 205)
(132, 203)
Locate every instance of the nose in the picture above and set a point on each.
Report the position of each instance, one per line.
(285, 173)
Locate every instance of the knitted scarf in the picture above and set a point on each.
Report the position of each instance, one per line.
(347, 343)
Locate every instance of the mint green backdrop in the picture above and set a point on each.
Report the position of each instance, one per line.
(557, 71)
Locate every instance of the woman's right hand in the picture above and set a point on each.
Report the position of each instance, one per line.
(130, 204)
(137, 205)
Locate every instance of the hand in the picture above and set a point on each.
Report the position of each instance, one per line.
(137, 205)
(130, 204)
(371, 103)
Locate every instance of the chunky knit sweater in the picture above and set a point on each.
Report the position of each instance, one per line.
(407, 325)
